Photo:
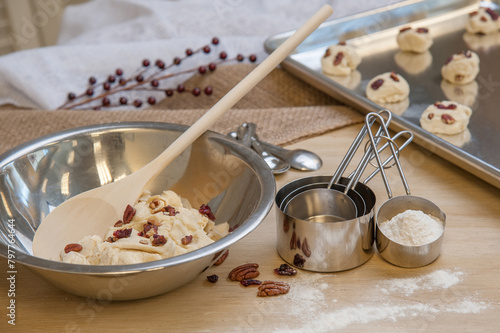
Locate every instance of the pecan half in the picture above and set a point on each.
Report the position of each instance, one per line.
(273, 288)
(158, 240)
(405, 29)
(430, 116)
(327, 53)
(447, 119)
(187, 239)
(75, 247)
(394, 76)
(128, 214)
(422, 30)
(244, 272)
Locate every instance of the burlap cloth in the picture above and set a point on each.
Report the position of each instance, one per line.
(284, 108)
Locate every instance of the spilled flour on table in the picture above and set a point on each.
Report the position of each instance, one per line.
(307, 300)
(441, 279)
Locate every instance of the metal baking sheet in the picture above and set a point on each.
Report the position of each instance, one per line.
(373, 34)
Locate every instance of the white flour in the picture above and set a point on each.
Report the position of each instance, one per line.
(387, 301)
(412, 227)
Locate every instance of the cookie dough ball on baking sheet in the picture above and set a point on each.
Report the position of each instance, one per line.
(340, 59)
(388, 87)
(445, 117)
(461, 68)
(483, 21)
(416, 40)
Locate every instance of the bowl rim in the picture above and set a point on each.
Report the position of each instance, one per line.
(254, 161)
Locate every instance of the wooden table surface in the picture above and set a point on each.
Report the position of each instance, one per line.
(459, 292)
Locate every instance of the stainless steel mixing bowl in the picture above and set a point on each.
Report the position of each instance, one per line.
(39, 175)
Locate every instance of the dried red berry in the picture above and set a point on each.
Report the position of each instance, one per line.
(240, 57)
(146, 63)
(122, 233)
(208, 90)
(252, 58)
(119, 72)
(206, 49)
(250, 282)
(92, 80)
(181, 88)
(338, 58)
(137, 103)
(196, 91)
(213, 278)
(160, 64)
(71, 96)
(202, 69)
(123, 101)
(284, 269)
(223, 55)
(445, 107)
(377, 84)
(494, 16)
(207, 211)
(299, 260)
(215, 40)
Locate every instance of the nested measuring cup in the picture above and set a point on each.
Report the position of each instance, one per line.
(410, 256)
(338, 202)
(314, 245)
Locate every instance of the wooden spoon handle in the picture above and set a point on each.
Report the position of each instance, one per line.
(234, 95)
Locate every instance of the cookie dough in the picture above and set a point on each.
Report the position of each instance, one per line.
(483, 21)
(388, 87)
(340, 59)
(416, 40)
(445, 117)
(461, 68)
(163, 226)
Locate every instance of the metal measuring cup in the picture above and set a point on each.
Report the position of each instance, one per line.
(337, 202)
(392, 251)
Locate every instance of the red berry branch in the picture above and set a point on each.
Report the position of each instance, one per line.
(112, 91)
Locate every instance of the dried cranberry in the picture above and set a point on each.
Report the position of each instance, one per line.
(284, 269)
(122, 233)
(445, 107)
(207, 211)
(338, 58)
(213, 278)
(250, 282)
(494, 16)
(158, 240)
(377, 84)
(299, 260)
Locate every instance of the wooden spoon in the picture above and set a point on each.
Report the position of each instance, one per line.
(94, 211)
